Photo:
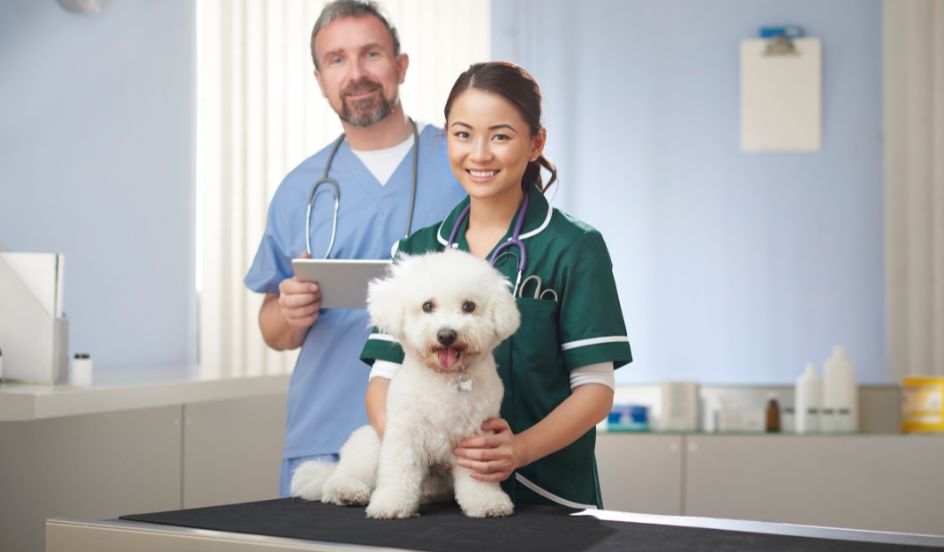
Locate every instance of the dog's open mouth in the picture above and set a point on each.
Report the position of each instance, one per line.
(449, 357)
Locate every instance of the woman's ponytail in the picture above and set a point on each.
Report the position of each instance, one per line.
(532, 174)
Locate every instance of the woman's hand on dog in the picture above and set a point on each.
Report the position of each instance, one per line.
(493, 456)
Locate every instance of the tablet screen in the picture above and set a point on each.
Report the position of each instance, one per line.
(343, 282)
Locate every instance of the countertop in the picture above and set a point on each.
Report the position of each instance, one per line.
(147, 389)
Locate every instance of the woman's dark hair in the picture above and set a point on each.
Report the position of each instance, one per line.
(518, 87)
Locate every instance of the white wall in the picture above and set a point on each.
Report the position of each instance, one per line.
(97, 155)
(731, 267)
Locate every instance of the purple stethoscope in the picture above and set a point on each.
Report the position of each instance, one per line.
(513, 241)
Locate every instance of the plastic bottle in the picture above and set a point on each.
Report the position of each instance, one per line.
(81, 375)
(788, 419)
(1, 365)
(809, 392)
(840, 393)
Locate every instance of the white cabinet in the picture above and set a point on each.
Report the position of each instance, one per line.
(100, 466)
(880, 482)
(95, 466)
(877, 482)
(640, 472)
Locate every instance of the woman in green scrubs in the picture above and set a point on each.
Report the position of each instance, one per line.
(558, 368)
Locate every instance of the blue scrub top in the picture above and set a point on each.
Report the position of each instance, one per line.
(326, 392)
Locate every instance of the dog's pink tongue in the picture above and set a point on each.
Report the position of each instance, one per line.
(448, 357)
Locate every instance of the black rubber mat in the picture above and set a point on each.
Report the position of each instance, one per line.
(442, 527)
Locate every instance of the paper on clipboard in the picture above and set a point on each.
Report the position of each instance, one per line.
(781, 97)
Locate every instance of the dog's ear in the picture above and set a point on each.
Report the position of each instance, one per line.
(504, 314)
(384, 298)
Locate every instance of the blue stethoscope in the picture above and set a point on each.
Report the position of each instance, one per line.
(513, 241)
(332, 183)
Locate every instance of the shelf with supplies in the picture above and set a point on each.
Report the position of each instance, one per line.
(879, 408)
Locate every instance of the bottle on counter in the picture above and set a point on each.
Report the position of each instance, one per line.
(772, 415)
(840, 394)
(809, 393)
(1, 364)
(81, 373)
(788, 419)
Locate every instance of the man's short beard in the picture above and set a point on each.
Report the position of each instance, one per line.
(367, 112)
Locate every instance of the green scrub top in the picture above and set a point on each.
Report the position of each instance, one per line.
(584, 326)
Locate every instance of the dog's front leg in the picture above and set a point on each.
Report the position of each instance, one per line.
(480, 499)
(399, 477)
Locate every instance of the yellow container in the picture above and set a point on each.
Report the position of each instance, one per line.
(922, 405)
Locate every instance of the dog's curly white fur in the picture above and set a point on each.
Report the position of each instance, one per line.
(448, 311)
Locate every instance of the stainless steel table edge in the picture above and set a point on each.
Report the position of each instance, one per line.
(120, 535)
(773, 528)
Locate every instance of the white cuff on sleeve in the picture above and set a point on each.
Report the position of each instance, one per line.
(601, 373)
(383, 369)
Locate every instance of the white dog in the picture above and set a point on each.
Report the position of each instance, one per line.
(448, 311)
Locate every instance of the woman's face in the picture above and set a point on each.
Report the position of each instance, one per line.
(490, 145)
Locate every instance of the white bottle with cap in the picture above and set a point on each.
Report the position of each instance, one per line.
(808, 397)
(81, 374)
(840, 393)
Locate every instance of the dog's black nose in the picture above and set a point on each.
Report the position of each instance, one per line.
(446, 336)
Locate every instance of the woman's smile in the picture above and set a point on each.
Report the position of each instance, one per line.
(482, 176)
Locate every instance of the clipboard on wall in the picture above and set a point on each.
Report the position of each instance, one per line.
(781, 95)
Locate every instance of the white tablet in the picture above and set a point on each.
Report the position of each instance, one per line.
(343, 282)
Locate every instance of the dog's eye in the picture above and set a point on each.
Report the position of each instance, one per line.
(468, 306)
(428, 306)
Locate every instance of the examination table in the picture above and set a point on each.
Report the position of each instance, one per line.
(292, 524)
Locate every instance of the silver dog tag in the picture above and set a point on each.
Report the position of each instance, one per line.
(465, 383)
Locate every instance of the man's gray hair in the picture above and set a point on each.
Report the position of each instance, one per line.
(339, 9)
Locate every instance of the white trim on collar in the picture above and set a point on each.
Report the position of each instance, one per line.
(526, 235)
(439, 237)
(539, 229)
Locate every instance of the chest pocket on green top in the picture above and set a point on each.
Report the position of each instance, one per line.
(537, 372)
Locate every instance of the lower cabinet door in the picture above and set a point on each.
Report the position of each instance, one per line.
(640, 472)
(878, 482)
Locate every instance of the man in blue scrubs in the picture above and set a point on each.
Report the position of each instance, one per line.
(358, 67)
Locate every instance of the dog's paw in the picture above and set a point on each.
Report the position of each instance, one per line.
(309, 479)
(388, 505)
(344, 490)
(492, 504)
